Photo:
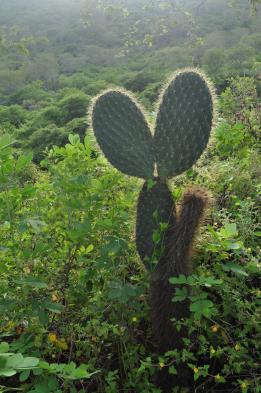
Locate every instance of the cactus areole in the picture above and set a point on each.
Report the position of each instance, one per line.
(185, 117)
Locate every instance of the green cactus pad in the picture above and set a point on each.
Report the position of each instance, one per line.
(123, 133)
(155, 206)
(183, 123)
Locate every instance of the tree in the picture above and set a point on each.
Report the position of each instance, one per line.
(214, 60)
(46, 137)
(44, 68)
(14, 115)
(160, 18)
(75, 105)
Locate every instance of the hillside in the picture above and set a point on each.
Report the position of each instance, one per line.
(129, 238)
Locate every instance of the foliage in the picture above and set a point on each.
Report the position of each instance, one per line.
(73, 289)
(74, 297)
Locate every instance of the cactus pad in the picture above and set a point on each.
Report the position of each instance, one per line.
(155, 206)
(183, 123)
(123, 133)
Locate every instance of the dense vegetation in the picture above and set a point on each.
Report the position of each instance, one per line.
(74, 311)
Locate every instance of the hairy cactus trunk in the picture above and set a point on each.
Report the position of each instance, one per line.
(173, 252)
(176, 260)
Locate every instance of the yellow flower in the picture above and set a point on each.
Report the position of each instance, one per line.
(196, 370)
(52, 337)
(237, 347)
(217, 377)
(9, 326)
(62, 344)
(212, 351)
(244, 385)
(214, 328)
(161, 364)
(54, 297)
(134, 319)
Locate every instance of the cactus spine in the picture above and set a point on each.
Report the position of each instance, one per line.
(180, 135)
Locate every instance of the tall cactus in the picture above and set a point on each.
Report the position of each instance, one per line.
(185, 114)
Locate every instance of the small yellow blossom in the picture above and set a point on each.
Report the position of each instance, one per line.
(62, 344)
(217, 377)
(9, 326)
(214, 328)
(54, 297)
(244, 385)
(134, 319)
(161, 364)
(212, 351)
(52, 337)
(196, 370)
(237, 347)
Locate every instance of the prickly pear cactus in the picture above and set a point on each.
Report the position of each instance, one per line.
(185, 113)
(123, 133)
(184, 122)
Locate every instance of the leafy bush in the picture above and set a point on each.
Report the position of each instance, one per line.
(45, 138)
(14, 115)
(73, 106)
(74, 294)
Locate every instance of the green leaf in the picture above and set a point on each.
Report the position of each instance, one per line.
(210, 281)
(79, 373)
(36, 224)
(37, 371)
(32, 282)
(233, 245)
(202, 308)
(52, 383)
(74, 139)
(41, 388)
(173, 370)
(23, 161)
(68, 368)
(233, 267)
(196, 376)
(4, 347)
(24, 375)
(178, 280)
(14, 361)
(29, 362)
(7, 372)
(44, 365)
(121, 292)
(89, 248)
(229, 231)
(180, 294)
(150, 183)
(53, 307)
(6, 141)
(214, 247)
